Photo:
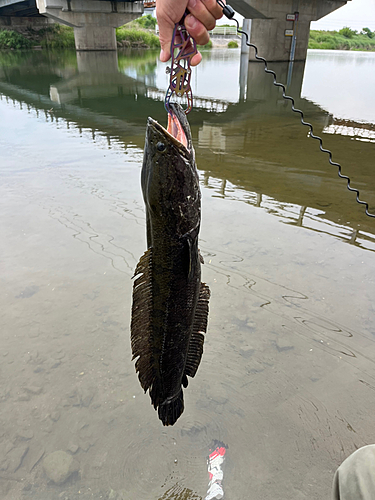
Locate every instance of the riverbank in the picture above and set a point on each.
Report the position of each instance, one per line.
(137, 34)
(344, 39)
(141, 34)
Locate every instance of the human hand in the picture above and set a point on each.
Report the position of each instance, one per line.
(202, 18)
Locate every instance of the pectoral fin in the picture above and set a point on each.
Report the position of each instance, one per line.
(141, 327)
(199, 329)
(201, 260)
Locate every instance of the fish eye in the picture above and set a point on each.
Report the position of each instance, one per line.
(160, 146)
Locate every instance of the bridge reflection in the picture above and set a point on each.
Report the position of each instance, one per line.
(254, 151)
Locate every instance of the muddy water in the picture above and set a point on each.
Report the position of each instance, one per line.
(287, 378)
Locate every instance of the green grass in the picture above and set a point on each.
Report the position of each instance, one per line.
(132, 37)
(59, 36)
(345, 39)
(12, 40)
(232, 45)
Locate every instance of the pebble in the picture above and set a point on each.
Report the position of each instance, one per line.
(73, 448)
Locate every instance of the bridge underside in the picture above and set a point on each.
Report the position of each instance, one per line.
(26, 8)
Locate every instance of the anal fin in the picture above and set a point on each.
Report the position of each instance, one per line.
(195, 351)
(141, 327)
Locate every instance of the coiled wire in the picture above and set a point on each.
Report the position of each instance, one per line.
(307, 124)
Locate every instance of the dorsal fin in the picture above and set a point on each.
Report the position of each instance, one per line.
(199, 329)
(141, 331)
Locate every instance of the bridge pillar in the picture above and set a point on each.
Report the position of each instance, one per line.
(269, 36)
(94, 21)
(270, 24)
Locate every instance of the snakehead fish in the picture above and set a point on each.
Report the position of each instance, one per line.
(170, 304)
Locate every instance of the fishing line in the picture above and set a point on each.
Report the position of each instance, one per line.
(229, 12)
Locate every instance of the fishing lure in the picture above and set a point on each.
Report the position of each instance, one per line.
(183, 49)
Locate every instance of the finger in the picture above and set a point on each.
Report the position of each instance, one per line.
(196, 59)
(197, 30)
(198, 9)
(168, 13)
(165, 37)
(214, 8)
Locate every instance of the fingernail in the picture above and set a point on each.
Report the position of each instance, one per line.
(163, 55)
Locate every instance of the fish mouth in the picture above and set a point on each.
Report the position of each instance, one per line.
(176, 130)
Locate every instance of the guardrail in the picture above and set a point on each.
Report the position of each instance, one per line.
(224, 31)
(217, 31)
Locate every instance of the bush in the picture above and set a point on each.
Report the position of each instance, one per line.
(232, 45)
(10, 39)
(58, 36)
(347, 32)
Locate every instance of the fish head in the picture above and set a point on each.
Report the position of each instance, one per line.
(170, 182)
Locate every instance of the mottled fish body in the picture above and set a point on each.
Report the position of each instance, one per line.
(170, 304)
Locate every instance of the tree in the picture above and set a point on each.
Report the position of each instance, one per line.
(368, 32)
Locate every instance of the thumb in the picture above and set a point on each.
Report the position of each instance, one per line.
(165, 37)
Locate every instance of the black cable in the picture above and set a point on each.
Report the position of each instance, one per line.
(229, 13)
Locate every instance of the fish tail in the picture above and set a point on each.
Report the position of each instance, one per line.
(170, 411)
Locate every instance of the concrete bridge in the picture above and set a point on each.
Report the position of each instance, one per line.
(280, 28)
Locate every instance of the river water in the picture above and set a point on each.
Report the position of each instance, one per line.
(287, 377)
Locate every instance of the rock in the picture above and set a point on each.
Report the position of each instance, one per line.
(73, 448)
(85, 444)
(59, 466)
(55, 415)
(25, 434)
(34, 457)
(4, 394)
(33, 389)
(23, 397)
(55, 363)
(112, 495)
(86, 395)
(4, 464)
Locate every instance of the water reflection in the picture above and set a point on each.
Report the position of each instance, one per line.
(288, 368)
(113, 98)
